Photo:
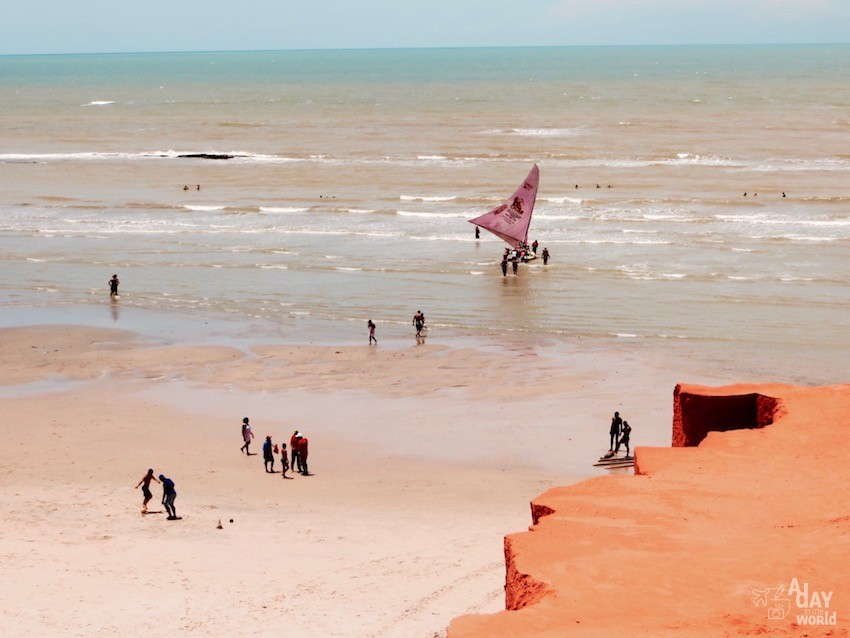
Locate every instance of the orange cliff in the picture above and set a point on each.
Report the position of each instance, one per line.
(746, 534)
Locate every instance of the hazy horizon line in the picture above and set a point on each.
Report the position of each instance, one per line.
(434, 48)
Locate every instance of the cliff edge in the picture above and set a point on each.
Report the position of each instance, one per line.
(742, 528)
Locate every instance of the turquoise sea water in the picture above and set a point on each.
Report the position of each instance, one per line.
(351, 174)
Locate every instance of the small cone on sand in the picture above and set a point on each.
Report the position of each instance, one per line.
(219, 524)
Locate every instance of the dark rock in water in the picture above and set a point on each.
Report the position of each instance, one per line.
(212, 156)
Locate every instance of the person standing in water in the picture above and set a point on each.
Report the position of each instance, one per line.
(371, 327)
(504, 265)
(146, 489)
(477, 233)
(113, 286)
(545, 256)
(419, 322)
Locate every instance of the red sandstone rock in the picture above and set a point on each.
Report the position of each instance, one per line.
(679, 548)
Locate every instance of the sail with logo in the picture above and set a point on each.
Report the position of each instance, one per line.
(510, 220)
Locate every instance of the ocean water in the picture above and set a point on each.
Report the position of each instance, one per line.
(694, 199)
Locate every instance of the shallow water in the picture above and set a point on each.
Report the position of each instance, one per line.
(352, 174)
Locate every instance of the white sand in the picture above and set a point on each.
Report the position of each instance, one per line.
(420, 465)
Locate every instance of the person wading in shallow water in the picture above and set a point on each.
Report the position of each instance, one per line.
(418, 322)
(113, 286)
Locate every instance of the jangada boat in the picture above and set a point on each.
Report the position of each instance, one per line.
(510, 220)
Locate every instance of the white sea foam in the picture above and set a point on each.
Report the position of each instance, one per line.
(425, 198)
(203, 207)
(100, 103)
(283, 209)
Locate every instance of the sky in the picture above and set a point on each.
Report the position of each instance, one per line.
(101, 26)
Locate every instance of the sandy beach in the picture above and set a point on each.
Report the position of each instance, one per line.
(421, 462)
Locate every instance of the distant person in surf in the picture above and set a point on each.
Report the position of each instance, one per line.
(624, 439)
(514, 263)
(504, 266)
(268, 455)
(477, 233)
(147, 495)
(545, 256)
(113, 286)
(616, 427)
(371, 327)
(247, 435)
(534, 246)
(419, 322)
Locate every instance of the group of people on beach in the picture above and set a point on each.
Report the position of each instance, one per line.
(521, 255)
(168, 493)
(619, 432)
(299, 448)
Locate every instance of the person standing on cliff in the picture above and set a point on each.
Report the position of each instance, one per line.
(624, 439)
(616, 427)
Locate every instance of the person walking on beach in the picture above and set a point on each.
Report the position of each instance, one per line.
(302, 455)
(146, 489)
(268, 456)
(624, 439)
(545, 256)
(113, 286)
(504, 265)
(284, 462)
(293, 445)
(247, 435)
(168, 496)
(371, 327)
(419, 322)
(616, 426)
(514, 264)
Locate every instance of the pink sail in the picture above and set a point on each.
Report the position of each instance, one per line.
(510, 220)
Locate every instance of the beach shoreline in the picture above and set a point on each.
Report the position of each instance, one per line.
(423, 456)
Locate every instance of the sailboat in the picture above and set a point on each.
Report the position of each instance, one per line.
(510, 220)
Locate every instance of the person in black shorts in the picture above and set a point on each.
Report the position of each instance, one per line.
(418, 322)
(146, 489)
(113, 286)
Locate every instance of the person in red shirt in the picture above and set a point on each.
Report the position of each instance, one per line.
(302, 455)
(294, 464)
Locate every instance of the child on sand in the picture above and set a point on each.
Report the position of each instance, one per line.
(284, 462)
